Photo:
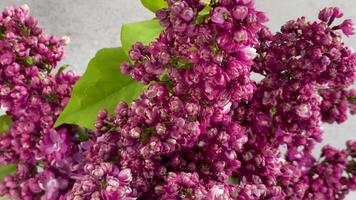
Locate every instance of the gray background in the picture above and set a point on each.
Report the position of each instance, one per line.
(95, 24)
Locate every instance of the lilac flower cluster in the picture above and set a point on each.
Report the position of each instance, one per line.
(203, 114)
(306, 70)
(336, 103)
(326, 179)
(103, 177)
(50, 162)
(203, 129)
(211, 58)
(301, 60)
(33, 98)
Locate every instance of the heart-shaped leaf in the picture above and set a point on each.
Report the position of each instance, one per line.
(154, 5)
(101, 87)
(144, 31)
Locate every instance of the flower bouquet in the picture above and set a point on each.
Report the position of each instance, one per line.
(175, 113)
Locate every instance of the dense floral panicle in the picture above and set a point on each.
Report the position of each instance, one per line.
(205, 61)
(33, 115)
(212, 57)
(306, 70)
(288, 114)
(206, 64)
(332, 177)
(298, 62)
(190, 56)
(33, 98)
(159, 132)
(314, 53)
(336, 104)
(19, 32)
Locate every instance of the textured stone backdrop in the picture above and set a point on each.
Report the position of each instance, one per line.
(95, 24)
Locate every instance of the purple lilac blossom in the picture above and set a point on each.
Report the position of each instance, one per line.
(203, 129)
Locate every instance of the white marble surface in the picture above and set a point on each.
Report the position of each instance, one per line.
(95, 24)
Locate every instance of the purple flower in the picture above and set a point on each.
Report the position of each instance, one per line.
(56, 143)
(330, 13)
(51, 184)
(240, 12)
(220, 15)
(203, 128)
(348, 27)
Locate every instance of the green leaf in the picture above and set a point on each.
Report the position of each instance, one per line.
(232, 180)
(5, 123)
(205, 11)
(202, 15)
(62, 68)
(144, 31)
(154, 5)
(6, 170)
(101, 86)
